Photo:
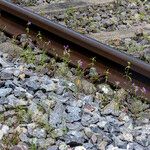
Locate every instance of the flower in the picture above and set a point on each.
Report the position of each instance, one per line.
(80, 63)
(136, 88)
(143, 90)
(29, 23)
(66, 47)
(117, 83)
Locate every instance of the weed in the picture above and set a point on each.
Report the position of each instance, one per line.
(28, 55)
(33, 146)
(70, 13)
(127, 72)
(66, 55)
(11, 139)
(51, 66)
(79, 73)
(39, 36)
(79, 70)
(2, 118)
(43, 59)
(46, 126)
(21, 113)
(94, 76)
(133, 47)
(106, 75)
(63, 67)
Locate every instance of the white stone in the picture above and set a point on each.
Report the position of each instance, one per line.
(102, 124)
(79, 148)
(128, 136)
(5, 129)
(1, 134)
(105, 90)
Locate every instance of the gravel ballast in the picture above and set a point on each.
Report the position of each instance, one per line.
(45, 110)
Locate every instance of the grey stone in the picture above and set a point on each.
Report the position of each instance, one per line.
(19, 147)
(32, 85)
(102, 145)
(118, 142)
(74, 126)
(3, 100)
(49, 87)
(110, 109)
(39, 133)
(74, 137)
(2, 84)
(88, 132)
(5, 91)
(59, 98)
(59, 90)
(6, 74)
(88, 146)
(72, 87)
(63, 146)
(110, 147)
(11, 84)
(54, 147)
(73, 114)
(75, 103)
(40, 94)
(45, 143)
(85, 120)
(59, 132)
(3, 63)
(14, 102)
(19, 92)
(23, 137)
(58, 115)
(102, 123)
(33, 107)
(47, 104)
(2, 108)
(88, 99)
(88, 87)
(105, 88)
(143, 140)
(138, 146)
(31, 127)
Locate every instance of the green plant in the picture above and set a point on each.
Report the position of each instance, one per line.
(133, 47)
(70, 13)
(94, 76)
(146, 36)
(127, 71)
(46, 126)
(66, 55)
(51, 66)
(106, 75)
(11, 140)
(28, 55)
(39, 36)
(79, 70)
(63, 67)
(2, 118)
(21, 113)
(43, 58)
(33, 146)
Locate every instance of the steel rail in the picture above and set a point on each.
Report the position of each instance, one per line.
(13, 20)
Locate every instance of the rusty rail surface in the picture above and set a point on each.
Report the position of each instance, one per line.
(14, 19)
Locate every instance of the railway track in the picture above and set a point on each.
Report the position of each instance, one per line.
(123, 24)
(14, 19)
